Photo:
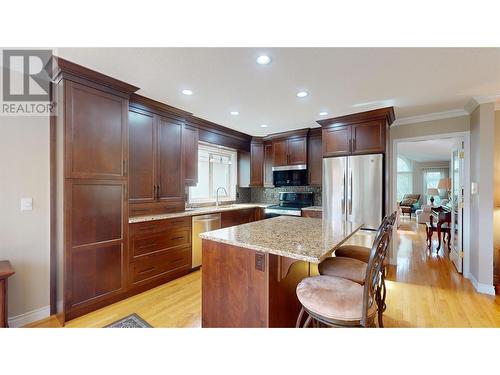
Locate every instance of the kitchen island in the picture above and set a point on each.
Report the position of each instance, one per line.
(250, 271)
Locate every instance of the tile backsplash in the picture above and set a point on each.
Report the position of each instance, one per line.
(271, 195)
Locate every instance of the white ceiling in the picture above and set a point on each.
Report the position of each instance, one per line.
(415, 81)
(426, 151)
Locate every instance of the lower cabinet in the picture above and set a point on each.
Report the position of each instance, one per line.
(238, 217)
(160, 251)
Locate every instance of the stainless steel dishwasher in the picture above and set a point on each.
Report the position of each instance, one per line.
(203, 223)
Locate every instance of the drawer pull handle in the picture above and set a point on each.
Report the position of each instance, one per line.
(148, 227)
(176, 260)
(146, 246)
(177, 238)
(146, 271)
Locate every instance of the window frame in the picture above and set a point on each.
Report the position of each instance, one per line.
(217, 151)
(408, 172)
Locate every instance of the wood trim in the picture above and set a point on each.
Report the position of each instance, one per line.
(52, 207)
(150, 105)
(386, 114)
(62, 68)
(287, 135)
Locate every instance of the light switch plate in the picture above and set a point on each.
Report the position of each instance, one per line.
(26, 204)
(474, 188)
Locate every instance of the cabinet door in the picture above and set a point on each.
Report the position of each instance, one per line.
(170, 160)
(96, 133)
(315, 161)
(142, 153)
(368, 137)
(297, 151)
(256, 164)
(190, 150)
(336, 140)
(237, 217)
(268, 165)
(96, 235)
(280, 151)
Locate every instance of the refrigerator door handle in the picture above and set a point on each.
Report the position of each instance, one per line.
(343, 195)
(350, 197)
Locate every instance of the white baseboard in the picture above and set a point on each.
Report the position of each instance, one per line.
(29, 317)
(480, 287)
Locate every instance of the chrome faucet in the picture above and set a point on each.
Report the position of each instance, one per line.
(217, 195)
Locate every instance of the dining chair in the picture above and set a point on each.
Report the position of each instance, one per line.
(339, 302)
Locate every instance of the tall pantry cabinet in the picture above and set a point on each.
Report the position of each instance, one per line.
(90, 165)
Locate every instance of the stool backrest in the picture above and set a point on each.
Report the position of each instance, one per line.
(373, 271)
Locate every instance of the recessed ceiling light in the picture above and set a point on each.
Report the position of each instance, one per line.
(187, 92)
(263, 126)
(302, 94)
(263, 60)
(235, 113)
(324, 113)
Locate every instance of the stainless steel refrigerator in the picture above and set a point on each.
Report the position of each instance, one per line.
(353, 189)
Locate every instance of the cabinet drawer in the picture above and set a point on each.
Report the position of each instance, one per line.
(151, 227)
(174, 237)
(159, 265)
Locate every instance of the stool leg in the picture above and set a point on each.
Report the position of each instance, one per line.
(299, 318)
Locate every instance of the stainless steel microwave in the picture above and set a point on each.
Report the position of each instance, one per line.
(290, 175)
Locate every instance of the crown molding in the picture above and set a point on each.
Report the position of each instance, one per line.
(476, 101)
(430, 117)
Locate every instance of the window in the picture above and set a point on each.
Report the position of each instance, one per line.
(217, 167)
(431, 180)
(404, 177)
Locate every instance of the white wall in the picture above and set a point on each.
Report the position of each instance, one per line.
(481, 220)
(24, 172)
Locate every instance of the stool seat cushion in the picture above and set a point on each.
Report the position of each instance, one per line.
(361, 253)
(347, 268)
(333, 298)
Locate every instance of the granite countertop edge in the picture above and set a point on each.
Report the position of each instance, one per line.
(195, 212)
(263, 249)
(313, 208)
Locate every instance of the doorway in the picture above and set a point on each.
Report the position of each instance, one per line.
(434, 171)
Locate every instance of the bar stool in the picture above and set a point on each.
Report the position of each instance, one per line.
(339, 302)
(354, 269)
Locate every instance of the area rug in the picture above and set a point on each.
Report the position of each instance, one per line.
(131, 321)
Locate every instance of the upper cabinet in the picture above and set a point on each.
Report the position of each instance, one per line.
(257, 162)
(358, 133)
(159, 139)
(96, 126)
(170, 167)
(315, 158)
(142, 154)
(268, 164)
(190, 138)
(291, 150)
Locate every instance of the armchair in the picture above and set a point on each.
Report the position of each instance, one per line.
(410, 203)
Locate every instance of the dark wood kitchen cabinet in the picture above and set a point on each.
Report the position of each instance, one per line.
(256, 162)
(190, 137)
(159, 140)
(292, 151)
(89, 196)
(142, 153)
(237, 217)
(268, 165)
(358, 133)
(170, 161)
(315, 158)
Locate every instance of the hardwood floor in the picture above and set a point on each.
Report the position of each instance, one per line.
(424, 290)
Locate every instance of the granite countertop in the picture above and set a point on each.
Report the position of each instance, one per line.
(195, 212)
(313, 208)
(308, 239)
